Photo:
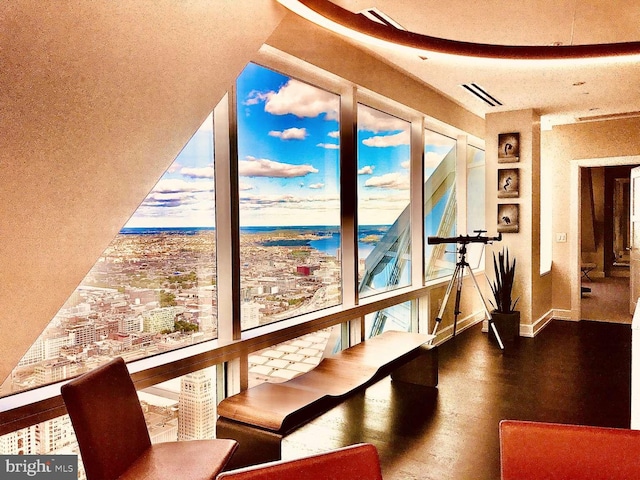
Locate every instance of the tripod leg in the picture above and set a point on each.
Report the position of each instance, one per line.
(456, 311)
(495, 332)
(492, 326)
(444, 301)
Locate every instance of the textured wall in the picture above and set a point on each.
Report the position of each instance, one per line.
(96, 100)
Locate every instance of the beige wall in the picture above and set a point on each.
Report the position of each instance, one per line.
(533, 289)
(566, 144)
(96, 100)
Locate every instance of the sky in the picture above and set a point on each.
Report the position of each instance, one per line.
(184, 196)
(288, 161)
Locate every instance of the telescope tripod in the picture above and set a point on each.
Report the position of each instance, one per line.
(456, 279)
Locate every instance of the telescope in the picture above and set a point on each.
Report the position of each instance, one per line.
(465, 239)
(457, 279)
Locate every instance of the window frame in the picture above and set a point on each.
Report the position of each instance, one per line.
(232, 347)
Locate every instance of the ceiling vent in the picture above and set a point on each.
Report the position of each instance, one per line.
(610, 116)
(377, 16)
(482, 94)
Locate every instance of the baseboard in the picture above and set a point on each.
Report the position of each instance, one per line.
(560, 314)
(528, 331)
(532, 330)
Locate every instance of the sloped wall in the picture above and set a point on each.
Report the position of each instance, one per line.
(96, 100)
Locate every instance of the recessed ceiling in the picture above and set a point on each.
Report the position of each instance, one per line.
(560, 91)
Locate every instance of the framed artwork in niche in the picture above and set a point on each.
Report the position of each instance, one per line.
(508, 183)
(508, 147)
(508, 218)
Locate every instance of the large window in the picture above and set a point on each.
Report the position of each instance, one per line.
(155, 288)
(152, 290)
(288, 167)
(440, 204)
(384, 234)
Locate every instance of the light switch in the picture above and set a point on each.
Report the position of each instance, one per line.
(561, 237)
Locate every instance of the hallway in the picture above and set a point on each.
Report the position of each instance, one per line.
(608, 300)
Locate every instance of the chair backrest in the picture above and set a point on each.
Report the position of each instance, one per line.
(107, 419)
(536, 450)
(355, 462)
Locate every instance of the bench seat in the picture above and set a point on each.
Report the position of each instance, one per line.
(261, 416)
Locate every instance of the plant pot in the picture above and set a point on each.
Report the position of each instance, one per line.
(507, 325)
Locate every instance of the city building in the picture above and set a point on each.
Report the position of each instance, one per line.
(99, 98)
(159, 319)
(197, 407)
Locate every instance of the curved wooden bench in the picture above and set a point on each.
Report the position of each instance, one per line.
(258, 418)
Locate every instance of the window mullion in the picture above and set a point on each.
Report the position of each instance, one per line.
(417, 202)
(228, 235)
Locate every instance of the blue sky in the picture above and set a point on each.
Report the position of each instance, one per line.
(383, 166)
(288, 151)
(184, 196)
(288, 154)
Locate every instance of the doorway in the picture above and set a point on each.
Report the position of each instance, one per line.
(604, 243)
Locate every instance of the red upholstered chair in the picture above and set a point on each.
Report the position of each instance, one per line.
(355, 462)
(535, 451)
(114, 440)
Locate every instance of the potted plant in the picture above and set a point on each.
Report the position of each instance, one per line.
(505, 317)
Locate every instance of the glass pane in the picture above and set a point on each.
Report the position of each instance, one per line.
(183, 408)
(288, 163)
(439, 203)
(384, 235)
(397, 318)
(475, 202)
(152, 290)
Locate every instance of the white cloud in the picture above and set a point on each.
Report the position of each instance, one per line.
(243, 187)
(300, 99)
(174, 167)
(316, 186)
(255, 97)
(174, 201)
(432, 159)
(395, 181)
(204, 172)
(366, 170)
(406, 164)
(286, 200)
(329, 146)
(382, 208)
(375, 121)
(335, 134)
(394, 140)
(262, 167)
(290, 134)
(173, 185)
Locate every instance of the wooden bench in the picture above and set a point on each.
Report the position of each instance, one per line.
(260, 417)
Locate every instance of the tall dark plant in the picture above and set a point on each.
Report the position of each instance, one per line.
(502, 286)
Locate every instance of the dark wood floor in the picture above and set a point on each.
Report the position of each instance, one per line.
(572, 372)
